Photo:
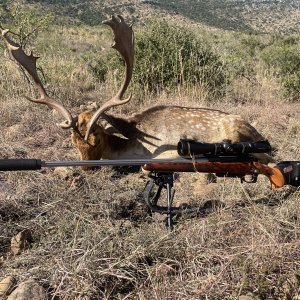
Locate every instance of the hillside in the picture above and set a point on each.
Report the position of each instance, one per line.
(261, 16)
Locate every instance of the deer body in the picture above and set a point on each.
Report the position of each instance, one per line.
(156, 131)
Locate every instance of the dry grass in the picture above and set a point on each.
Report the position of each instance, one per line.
(92, 236)
(94, 240)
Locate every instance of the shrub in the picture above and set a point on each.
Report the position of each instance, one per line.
(285, 57)
(167, 56)
(25, 20)
(291, 85)
(252, 43)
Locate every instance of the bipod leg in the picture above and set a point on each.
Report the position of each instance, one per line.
(170, 196)
(162, 181)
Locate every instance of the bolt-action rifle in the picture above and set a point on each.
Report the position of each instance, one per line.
(225, 159)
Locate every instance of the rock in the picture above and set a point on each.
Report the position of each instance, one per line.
(28, 289)
(63, 172)
(20, 242)
(6, 285)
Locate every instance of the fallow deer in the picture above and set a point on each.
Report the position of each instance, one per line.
(151, 133)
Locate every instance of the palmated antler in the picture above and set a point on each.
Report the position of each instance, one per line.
(29, 63)
(124, 44)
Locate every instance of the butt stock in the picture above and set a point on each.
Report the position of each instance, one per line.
(283, 173)
(290, 170)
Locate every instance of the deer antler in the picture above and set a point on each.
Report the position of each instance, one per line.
(29, 63)
(124, 43)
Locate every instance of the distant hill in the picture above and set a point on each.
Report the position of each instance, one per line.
(262, 16)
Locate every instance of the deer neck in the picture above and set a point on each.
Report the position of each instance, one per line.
(121, 148)
(123, 126)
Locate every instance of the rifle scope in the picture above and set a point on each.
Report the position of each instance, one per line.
(194, 148)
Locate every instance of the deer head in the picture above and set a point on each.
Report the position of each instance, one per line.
(87, 136)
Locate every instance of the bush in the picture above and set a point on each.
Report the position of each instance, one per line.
(291, 85)
(25, 20)
(252, 43)
(285, 57)
(167, 56)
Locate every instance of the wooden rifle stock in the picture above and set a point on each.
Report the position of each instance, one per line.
(275, 174)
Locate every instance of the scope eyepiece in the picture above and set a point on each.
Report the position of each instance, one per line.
(194, 148)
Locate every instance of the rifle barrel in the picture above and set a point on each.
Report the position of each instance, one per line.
(116, 162)
(37, 164)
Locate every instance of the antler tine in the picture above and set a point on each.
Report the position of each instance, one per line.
(29, 63)
(124, 44)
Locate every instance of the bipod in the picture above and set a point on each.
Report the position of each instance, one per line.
(165, 181)
(162, 181)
